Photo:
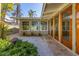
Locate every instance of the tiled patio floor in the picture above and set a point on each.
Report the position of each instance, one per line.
(47, 46)
(57, 48)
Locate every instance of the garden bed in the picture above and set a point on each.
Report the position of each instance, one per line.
(17, 48)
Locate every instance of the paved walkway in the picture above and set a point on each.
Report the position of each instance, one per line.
(57, 48)
(47, 46)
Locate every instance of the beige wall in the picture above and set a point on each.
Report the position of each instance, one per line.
(30, 32)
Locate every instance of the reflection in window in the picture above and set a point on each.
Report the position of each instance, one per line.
(56, 27)
(43, 25)
(66, 19)
(34, 26)
(51, 27)
(25, 25)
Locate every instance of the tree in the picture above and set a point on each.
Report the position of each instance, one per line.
(17, 12)
(5, 7)
(3, 30)
(31, 13)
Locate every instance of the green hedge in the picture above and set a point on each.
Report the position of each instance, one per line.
(20, 48)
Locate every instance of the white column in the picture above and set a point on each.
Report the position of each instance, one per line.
(60, 26)
(30, 24)
(21, 29)
(47, 26)
(53, 28)
(39, 26)
(50, 26)
(74, 27)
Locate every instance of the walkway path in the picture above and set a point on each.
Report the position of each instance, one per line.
(47, 46)
(57, 48)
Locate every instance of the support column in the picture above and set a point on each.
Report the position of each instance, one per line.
(74, 27)
(50, 26)
(60, 27)
(30, 24)
(21, 29)
(53, 28)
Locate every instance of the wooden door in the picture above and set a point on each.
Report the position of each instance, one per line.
(77, 28)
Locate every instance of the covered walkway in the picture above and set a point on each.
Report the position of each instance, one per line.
(61, 22)
(46, 45)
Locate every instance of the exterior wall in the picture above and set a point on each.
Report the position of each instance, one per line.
(24, 32)
(30, 32)
(68, 42)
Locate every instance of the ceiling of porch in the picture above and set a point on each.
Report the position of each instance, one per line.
(50, 8)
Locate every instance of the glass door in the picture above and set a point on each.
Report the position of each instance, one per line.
(51, 27)
(56, 27)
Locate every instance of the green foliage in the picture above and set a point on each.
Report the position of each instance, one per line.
(4, 43)
(3, 30)
(6, 7)
(25, 27)
(19, 49)
(31, 13)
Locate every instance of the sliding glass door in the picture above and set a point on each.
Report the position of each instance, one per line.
(56, 27)
(67, 27)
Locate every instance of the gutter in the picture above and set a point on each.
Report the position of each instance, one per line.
(43, 8)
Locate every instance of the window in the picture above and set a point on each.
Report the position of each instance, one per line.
(43, 25)
(66, 19)
(34, 26)
(25, 25)
(56, 27)
(56, 24)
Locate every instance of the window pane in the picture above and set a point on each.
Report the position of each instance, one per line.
(56, 27)
(34, 25)
(66, 18)
(25, 25)
(43, 26)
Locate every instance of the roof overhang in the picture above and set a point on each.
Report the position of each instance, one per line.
(29, 18)
(19, 18)
(50, 9)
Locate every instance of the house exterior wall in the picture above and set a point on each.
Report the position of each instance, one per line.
(59, 36)
(31, 32)
(68, 42)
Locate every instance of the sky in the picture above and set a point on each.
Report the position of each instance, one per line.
(25, 7)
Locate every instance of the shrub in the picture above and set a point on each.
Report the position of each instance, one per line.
(20, 48)
(4, 43)
(3, 30)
